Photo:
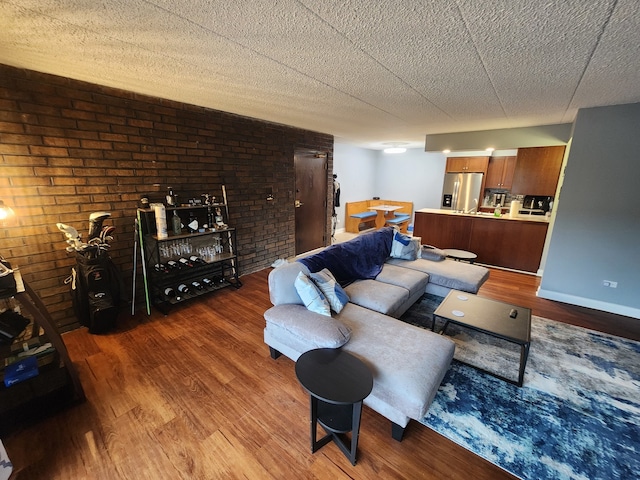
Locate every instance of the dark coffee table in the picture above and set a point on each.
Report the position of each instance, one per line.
(492, 317)
(337, 383)
(460, 254)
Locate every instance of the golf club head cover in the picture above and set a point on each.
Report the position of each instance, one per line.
(95, 223)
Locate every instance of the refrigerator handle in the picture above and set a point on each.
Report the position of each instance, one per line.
(454, 200)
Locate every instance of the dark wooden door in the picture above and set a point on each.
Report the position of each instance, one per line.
(310, 199)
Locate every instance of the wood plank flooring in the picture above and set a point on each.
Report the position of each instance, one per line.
(195, 395)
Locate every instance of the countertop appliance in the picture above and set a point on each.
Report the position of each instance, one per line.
(536, 205)
(461, 191)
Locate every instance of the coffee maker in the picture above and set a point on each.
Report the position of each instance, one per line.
(499, 199)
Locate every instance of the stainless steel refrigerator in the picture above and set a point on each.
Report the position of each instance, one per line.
(461, 191)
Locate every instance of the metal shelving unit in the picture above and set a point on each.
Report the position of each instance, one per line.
(184, 266)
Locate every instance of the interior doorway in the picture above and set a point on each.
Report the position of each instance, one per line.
(310, 199)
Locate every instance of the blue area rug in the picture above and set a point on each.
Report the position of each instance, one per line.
(577, 415)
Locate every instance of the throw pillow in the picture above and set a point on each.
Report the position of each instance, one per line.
(311, 296)
(429, 252)
(327, 284)
(405, 247)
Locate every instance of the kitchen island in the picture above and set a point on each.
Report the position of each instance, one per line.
(510, 242)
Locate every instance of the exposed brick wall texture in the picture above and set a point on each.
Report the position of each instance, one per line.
(69, 148)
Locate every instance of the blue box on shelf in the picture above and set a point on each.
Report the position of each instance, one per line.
(20, 371)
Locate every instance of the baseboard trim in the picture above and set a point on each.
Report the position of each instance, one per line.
(589, 303)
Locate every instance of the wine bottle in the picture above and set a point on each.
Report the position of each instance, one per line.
(173, 265)
(183, 288)
(197, 285)
(160, 267)
(185, 262)
(169, 293)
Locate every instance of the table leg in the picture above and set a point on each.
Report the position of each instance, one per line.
(355, 431)
(524, 355)
(380, 219)
(316, 444)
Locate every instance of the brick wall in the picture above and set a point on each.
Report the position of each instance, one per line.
(69, 148)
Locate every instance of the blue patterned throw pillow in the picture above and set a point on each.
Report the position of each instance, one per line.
(326, 282)
(405, 246)
(311, 296)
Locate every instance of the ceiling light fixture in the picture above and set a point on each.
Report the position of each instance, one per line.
(446, 150)
(395, 147)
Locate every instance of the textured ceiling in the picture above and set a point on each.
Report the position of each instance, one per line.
(366, 71)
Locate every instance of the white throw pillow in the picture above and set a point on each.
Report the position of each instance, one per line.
(326, 282)
(311, 295)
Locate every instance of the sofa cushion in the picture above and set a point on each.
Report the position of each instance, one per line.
(295, 324)
(407, 362)
(378, 296)
(430, 252)
(332, 290)
(413, 280)
(448, 273)
(281, 283)
(311, 295)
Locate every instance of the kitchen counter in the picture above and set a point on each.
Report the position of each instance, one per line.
(504, 216)
(509, 242)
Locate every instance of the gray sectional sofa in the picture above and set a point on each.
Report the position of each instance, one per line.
(407, 362)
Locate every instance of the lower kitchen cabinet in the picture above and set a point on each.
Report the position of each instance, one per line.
(503, 242)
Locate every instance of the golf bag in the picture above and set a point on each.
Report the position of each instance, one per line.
(96, 291)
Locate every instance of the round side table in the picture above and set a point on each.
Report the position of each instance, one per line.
(460, 254)
(337, 383)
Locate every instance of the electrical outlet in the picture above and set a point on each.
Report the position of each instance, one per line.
(609, 283)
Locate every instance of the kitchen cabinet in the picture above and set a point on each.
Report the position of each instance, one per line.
(498, 241)
(537, 171)
(500, 172)
(508, 243)
(467, 164)
(443, 231)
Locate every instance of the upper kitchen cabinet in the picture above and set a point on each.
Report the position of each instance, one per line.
(467, 164)
(500, 172)
(537, 171)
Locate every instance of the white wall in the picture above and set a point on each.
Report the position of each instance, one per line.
(356, 169)
(596, 234)
(414, 176)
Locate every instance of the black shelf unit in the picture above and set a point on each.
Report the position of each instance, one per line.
(214, 247)
(57, 383)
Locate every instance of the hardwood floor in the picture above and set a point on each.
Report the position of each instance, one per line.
(195, 395)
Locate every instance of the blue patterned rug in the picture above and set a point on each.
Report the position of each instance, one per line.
(577, 415)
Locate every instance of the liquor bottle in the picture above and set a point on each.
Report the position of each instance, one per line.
(176, 223)
(171, 202)
(192, 226)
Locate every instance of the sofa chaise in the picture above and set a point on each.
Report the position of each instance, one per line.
(407, 362)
